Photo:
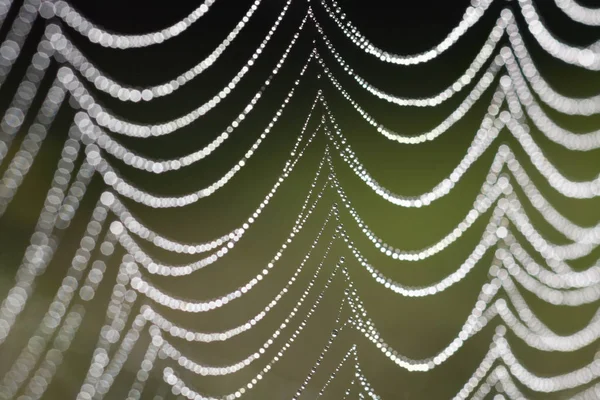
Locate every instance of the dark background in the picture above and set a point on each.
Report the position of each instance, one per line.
(417, 328)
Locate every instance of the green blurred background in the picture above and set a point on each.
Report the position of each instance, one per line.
(417, 328)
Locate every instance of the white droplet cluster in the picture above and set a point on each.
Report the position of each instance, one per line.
(125, 189)
(533, 332)
(136, 227)
(565, 186)
(566, 278)
(362, 380)
(562, 276)
(488, 240)
(498, 380)
(587, 57)
(568, 139)
(113, 366)
(57, 212)
(590, 393)
(472, 14)
(475, 322)
(206, 370)
(517, 129)
(552, 384)
(173, 330)
(15, 114)
(54, 357)
(482, 371)
(484, 83)
(98, 35)
(117, 150)
(480, 206)
(350, 388)
(562, 103)
(52, 320)
(588, 293)
(157, 268)
(482, 57)
(489, 130)
(117, 314)
(584, 106)
(583, 57)
(518, 94)
(579, 13)
(105, 84)
(335, 371)
(178, 386)
(4, 9)
(508, 204)
(146, 288)
(146, 366)
(11, 47)
(22, 161)
(334, 335)
(117, 125)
